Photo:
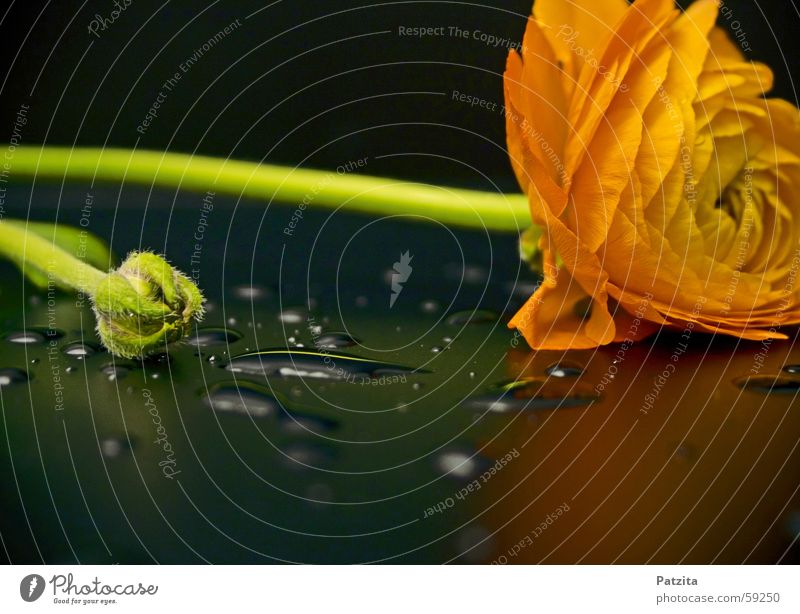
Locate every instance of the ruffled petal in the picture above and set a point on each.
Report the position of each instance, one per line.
(584, 24)
(561, 315)
(671, 193)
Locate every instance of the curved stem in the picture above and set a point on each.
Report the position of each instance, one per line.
(292, 186)
(54, 263)
(140, 307)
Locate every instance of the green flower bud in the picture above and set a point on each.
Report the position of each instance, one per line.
(144, 305)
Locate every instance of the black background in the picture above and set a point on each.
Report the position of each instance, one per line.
(307, 82)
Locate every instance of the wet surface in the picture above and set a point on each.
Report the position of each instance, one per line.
(443, 439)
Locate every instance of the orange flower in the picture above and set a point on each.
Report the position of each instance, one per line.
(667, 187)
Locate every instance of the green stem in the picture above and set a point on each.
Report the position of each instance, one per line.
(146, 304)
(56, 264)
(352, 191)
(141, 307)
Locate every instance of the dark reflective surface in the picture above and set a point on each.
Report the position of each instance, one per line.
(488, 453)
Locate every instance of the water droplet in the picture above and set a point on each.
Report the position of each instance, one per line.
(472, 375)
(776, 384)
(10, 375)
(531, 394)
(80, 349)
(313, 365)
(564, 369)
(523, 288)
(205, 337)
(430, 306)
(475, 274)
(793, 369)
(476, 544)
(477, 316)
(34, 335)
(299, 423)
(331, 341)
(436, 349)
(470, 273)
(416, 386)
(250, 293)
(685, 452)
(70, 369)
(292, 316)
(492, 404)
(460, 464)
(114, 447)
(158, 359)
(306, 455)
(232, 321)
(241, 398)
(116, 371)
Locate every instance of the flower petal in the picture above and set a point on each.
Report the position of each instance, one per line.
(552, 318)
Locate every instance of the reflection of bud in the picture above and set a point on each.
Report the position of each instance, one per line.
(144, 305)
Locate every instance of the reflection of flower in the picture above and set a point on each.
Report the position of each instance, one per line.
(664, 176)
